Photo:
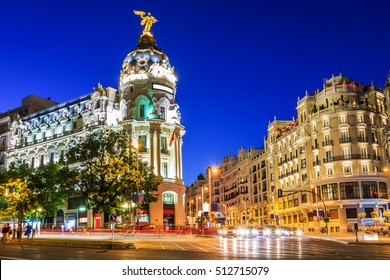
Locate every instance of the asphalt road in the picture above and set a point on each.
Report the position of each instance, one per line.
(207, 248)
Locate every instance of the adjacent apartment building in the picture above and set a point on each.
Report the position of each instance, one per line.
(332, 160)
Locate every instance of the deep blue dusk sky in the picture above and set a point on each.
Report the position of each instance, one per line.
(239, 63)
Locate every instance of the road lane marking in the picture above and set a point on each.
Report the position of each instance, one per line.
(213, 247)
(10, 258)
(199, 248)
(162, 246)
(178, 246)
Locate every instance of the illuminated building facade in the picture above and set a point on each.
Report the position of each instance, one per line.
(335, 154)
(144, 105)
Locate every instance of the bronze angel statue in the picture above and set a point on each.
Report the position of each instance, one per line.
(147, 20)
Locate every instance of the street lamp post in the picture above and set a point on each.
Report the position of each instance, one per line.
(136, 146)
(210, 170)
(224, 212)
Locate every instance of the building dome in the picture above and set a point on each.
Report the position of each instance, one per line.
(146, 54)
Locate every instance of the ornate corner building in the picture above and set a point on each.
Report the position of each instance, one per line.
(334, 154)
(144, 104)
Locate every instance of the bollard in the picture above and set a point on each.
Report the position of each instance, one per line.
(356, 226)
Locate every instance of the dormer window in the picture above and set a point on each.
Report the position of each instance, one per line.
(142, 111)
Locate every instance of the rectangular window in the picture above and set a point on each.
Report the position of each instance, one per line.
(343, 119)
(347, 169)
(368, 212)
(344, 136)
(42, 161)
(165, 171)
(383, 190)
(328, 156)
(346, 153)
(164, 146)
(162, 113)
(264, 186)
(368, 187)
(33, 162)
(361, 136)
(326, 123)
(351, 213)
(51, 157)
(304, 198)
(363, 153)
(330, 192)
(142, 111)
(142, 143)
(303, 163)
(349, 190)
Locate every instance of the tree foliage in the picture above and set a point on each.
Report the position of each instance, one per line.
(40, 192)
(107, 171)
(51, 187)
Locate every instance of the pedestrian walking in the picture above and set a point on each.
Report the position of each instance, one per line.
(28, 230)
(5, 231)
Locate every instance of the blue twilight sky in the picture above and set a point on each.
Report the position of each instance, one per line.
(239, 63)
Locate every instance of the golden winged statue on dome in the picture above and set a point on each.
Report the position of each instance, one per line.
(147, 20)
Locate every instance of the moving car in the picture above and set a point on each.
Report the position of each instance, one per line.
(228, 232)
(294, 231)
(276, 232)
(248, 232)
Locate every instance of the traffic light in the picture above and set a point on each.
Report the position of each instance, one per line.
(328, 213)
(280, 193)
(375, 194)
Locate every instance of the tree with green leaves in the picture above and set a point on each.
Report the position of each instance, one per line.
(108, 171)
(52, 185)
(35, 193)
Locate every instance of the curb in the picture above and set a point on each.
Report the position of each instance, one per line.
(77, 244)
(350, 242)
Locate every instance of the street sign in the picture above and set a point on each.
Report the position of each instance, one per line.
(113, 218)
